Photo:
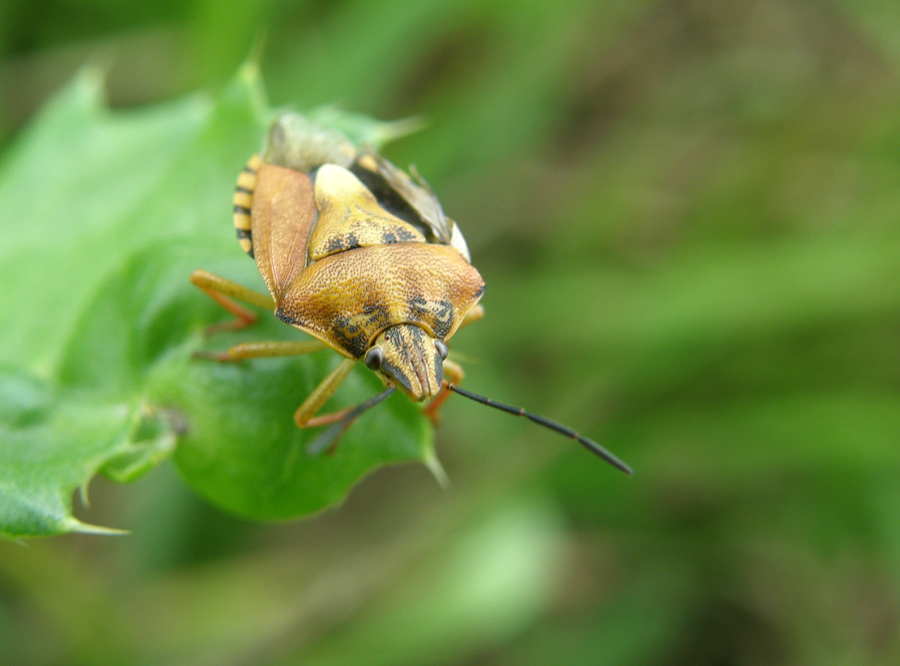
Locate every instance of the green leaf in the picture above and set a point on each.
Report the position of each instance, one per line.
(112, 212)
(42, 462)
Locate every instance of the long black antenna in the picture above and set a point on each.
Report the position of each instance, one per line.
(330, 437)
(590, 445)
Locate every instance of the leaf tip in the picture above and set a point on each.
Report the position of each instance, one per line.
(247, 83)
(396, 129)
(75, 525)
(437, 470)
(251, 65)
(92, 75)
(249, 73)
(83, 493)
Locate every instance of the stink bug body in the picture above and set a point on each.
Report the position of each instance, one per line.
(362, 257)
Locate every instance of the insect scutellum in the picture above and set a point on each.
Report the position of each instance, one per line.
(360, 256)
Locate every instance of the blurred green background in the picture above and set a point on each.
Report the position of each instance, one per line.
(687, 213)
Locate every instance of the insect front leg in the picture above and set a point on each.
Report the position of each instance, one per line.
(453, 373)
(305, 416)
(472, 316)
(225, 293)
(452, 370)
(268, 349)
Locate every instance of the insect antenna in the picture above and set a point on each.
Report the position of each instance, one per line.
(590, 445)
(330, 437)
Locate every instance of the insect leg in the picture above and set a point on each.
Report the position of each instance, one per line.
(330, 437)
(472, 315)
(303, 417)
(225, 292)
(271, 348)
(452, 372)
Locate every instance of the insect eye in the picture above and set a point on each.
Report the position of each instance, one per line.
(374, 358)
(441, 348)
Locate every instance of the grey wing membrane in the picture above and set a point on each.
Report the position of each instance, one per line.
(405, 197)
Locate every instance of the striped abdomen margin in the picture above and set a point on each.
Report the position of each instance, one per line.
(243, 201)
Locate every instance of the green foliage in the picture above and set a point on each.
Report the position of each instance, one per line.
(50, 444)
(113, 211)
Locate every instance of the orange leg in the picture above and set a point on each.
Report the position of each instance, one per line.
(455, 372)
(225, 292)
(243, 316)
(305, 416)
(328, 419)
(452, 370)
(268, 349)
(472, 316)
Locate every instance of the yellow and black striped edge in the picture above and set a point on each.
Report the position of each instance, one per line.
(243, 202)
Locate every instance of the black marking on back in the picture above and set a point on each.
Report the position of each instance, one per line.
(241, 210)
(336, 244)
(418, 306)
(242, 190)
(378, 316)
(443, 319)
(397, 236)
(437, 313)
(391, 201)
(349, 336)
(280, 314)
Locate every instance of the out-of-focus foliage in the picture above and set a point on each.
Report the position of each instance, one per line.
(688, 217)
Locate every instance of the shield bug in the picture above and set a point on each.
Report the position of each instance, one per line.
(360, 256)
